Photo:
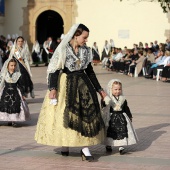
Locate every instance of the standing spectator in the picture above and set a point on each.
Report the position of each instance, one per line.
(112, 44)
(95, 52)
(58, 42)
(51, 46)
(106, 50)
(35, 53)
(45, 53)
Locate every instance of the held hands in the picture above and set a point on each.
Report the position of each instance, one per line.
(104, 97)
(102, 94)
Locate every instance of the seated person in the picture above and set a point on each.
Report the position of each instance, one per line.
(162, 64)
(136, 64)
(159, 60)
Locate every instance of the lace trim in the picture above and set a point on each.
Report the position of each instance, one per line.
(117, 104)
(12, 78)
(82, 112)
(79, 62)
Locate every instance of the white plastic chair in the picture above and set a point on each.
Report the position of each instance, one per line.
(158, 73)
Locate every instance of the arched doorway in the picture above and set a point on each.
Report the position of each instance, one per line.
(49, 23)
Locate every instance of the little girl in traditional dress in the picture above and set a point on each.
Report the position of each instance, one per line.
(119, 129)
(13, 108)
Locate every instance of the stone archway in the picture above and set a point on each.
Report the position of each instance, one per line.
(64, 8)
(48, 23)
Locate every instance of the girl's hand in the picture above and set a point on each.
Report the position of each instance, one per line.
(23, 97)
(53, 94)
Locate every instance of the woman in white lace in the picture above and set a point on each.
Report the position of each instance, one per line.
(120, 131)
(73, 118)
(23, 57)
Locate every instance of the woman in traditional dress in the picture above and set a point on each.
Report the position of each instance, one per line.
(45, 53)
(95, 52)
(73, 119)
(35, 52)
(22, 56)
(106, 50)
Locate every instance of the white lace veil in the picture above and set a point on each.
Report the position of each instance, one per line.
(58, 59)
(5, 68)
(27, 51)
(106, 110)
(109, 86)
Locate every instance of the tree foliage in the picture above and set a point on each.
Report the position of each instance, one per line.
(165, 4)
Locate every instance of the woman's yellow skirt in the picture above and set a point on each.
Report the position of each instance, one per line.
(50, 127)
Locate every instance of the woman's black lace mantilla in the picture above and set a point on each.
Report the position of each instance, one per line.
(82, 112)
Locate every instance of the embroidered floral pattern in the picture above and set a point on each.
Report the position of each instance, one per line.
(79, 62)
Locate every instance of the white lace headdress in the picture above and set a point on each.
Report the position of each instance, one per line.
(5, 68)
(58, 59)
(109, 86)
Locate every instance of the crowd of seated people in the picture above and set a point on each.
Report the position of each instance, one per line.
(141, 59)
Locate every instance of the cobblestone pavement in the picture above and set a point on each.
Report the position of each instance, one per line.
(149, 104)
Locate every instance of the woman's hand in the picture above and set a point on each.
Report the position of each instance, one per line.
(102, 94)
(53, 94)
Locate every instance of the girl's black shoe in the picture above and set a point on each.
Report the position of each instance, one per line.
(15, 125)
(108, 149)
(87, 158)
(64, 153)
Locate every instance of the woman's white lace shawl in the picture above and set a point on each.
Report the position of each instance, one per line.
(70, 61)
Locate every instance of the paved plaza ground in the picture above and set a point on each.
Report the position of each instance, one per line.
(149, 102)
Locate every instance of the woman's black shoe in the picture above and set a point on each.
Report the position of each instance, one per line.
(108, 148)
(122, 151)
(87, 158)
(64, 153)
(9, 123)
